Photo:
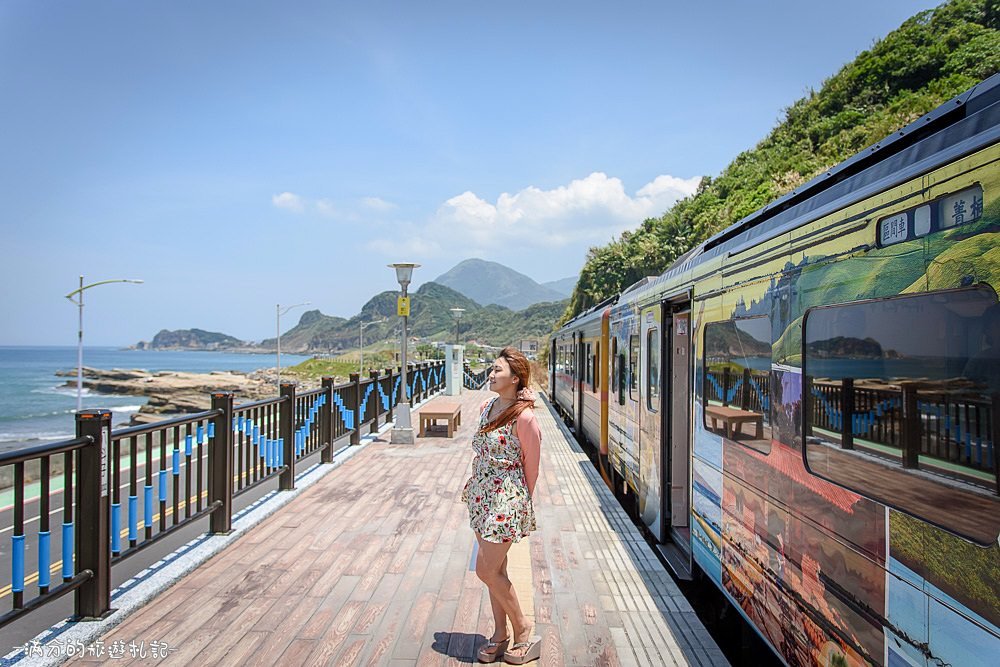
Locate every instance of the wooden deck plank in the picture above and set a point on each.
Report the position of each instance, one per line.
(371, 565)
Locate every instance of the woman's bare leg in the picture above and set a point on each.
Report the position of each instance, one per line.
(499, 615)
(491, 568)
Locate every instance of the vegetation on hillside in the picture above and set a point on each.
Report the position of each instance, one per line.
(430, 318)
(932, 57)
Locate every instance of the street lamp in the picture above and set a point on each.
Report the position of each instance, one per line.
(279, 311)
(457, 312)
(79, 338)
(362, 341)
(402, 431)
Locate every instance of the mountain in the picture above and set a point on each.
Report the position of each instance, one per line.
(309, 334)
(489, 282)
(430, 318)
(563, 286)
(929, 59)
(190, 339)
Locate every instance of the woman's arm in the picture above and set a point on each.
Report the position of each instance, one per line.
(530, 436)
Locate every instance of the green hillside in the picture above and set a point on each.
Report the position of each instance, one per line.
(932, 57)
(430, 318)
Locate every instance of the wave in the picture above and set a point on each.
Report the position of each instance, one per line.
(63, 390)
(44, 436)
(115, 409)
(37, 415)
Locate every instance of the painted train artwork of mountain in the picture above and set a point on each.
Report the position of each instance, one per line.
(805, 407)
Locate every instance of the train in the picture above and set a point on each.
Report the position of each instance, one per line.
(803, 409)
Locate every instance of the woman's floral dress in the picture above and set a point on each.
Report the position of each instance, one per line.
(500, 508)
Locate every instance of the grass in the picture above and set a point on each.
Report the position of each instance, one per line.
(968, 573)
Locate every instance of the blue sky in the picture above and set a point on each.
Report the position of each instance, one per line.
(235, 155)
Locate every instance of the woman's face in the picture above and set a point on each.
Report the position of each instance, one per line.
(501, 379)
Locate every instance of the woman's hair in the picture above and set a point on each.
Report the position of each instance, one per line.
(520, 368)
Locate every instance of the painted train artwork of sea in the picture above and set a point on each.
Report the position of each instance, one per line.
(37, 407)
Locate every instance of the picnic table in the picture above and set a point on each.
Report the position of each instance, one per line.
(450, 412)
(734, 418)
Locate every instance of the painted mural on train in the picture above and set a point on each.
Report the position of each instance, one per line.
(845, 362)
(765, 549)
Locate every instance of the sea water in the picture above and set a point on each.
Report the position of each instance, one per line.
(37, 407)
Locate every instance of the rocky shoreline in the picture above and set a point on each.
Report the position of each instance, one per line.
(173, 393)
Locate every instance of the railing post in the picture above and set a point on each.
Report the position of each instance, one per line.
(747, 390)
(808, 407)
(418, 381)
(910, 428)
(356, 393)
(286, 432)
(994, 423)
(388, 392)
(725, 386)
(326, 421)
(375, 397)
(93, 533)
(220, 464)
(847, 414)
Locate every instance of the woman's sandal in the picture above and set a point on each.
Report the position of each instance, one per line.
(533, 652)
(495, 652)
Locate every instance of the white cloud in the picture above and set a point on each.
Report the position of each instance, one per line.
(377, 204)
(405, 243)
(326, 208)
(588, 210)
(329, 209)
(288, 201)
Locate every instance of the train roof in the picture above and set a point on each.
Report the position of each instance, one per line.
(592, 312)
(964, 124)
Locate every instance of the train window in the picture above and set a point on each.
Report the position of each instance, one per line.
(589, 373)
(597, 366)
(633, 366)
(901, 401)
(614, 365)
(957, 208)
(737, 380)
(621, 378)
(652, 370)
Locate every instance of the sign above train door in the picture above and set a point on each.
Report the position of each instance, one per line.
(678, 300)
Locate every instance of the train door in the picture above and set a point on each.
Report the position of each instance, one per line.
(553, 347)
(650, 409)
(578, 385)
(678, 440)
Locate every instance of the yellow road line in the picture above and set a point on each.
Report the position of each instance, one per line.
(57, 566)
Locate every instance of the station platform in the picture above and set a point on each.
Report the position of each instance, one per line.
(373, 565)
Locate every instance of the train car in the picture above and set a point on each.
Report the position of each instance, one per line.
(804, 408)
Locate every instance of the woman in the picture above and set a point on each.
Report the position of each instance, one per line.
(507, 445)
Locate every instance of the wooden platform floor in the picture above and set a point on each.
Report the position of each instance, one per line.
(372, 566)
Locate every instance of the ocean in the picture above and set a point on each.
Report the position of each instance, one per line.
(37, 407)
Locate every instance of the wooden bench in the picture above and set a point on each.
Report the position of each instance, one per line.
(446, 410)
(733, 419)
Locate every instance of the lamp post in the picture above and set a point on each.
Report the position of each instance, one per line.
(457, 312)
(79, 338)
(402, 431)
(279, 311)
(362, 342)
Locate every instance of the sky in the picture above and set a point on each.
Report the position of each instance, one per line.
(238, 155)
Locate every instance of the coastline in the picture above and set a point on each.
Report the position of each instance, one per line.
(37, 405)
(169, 394)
